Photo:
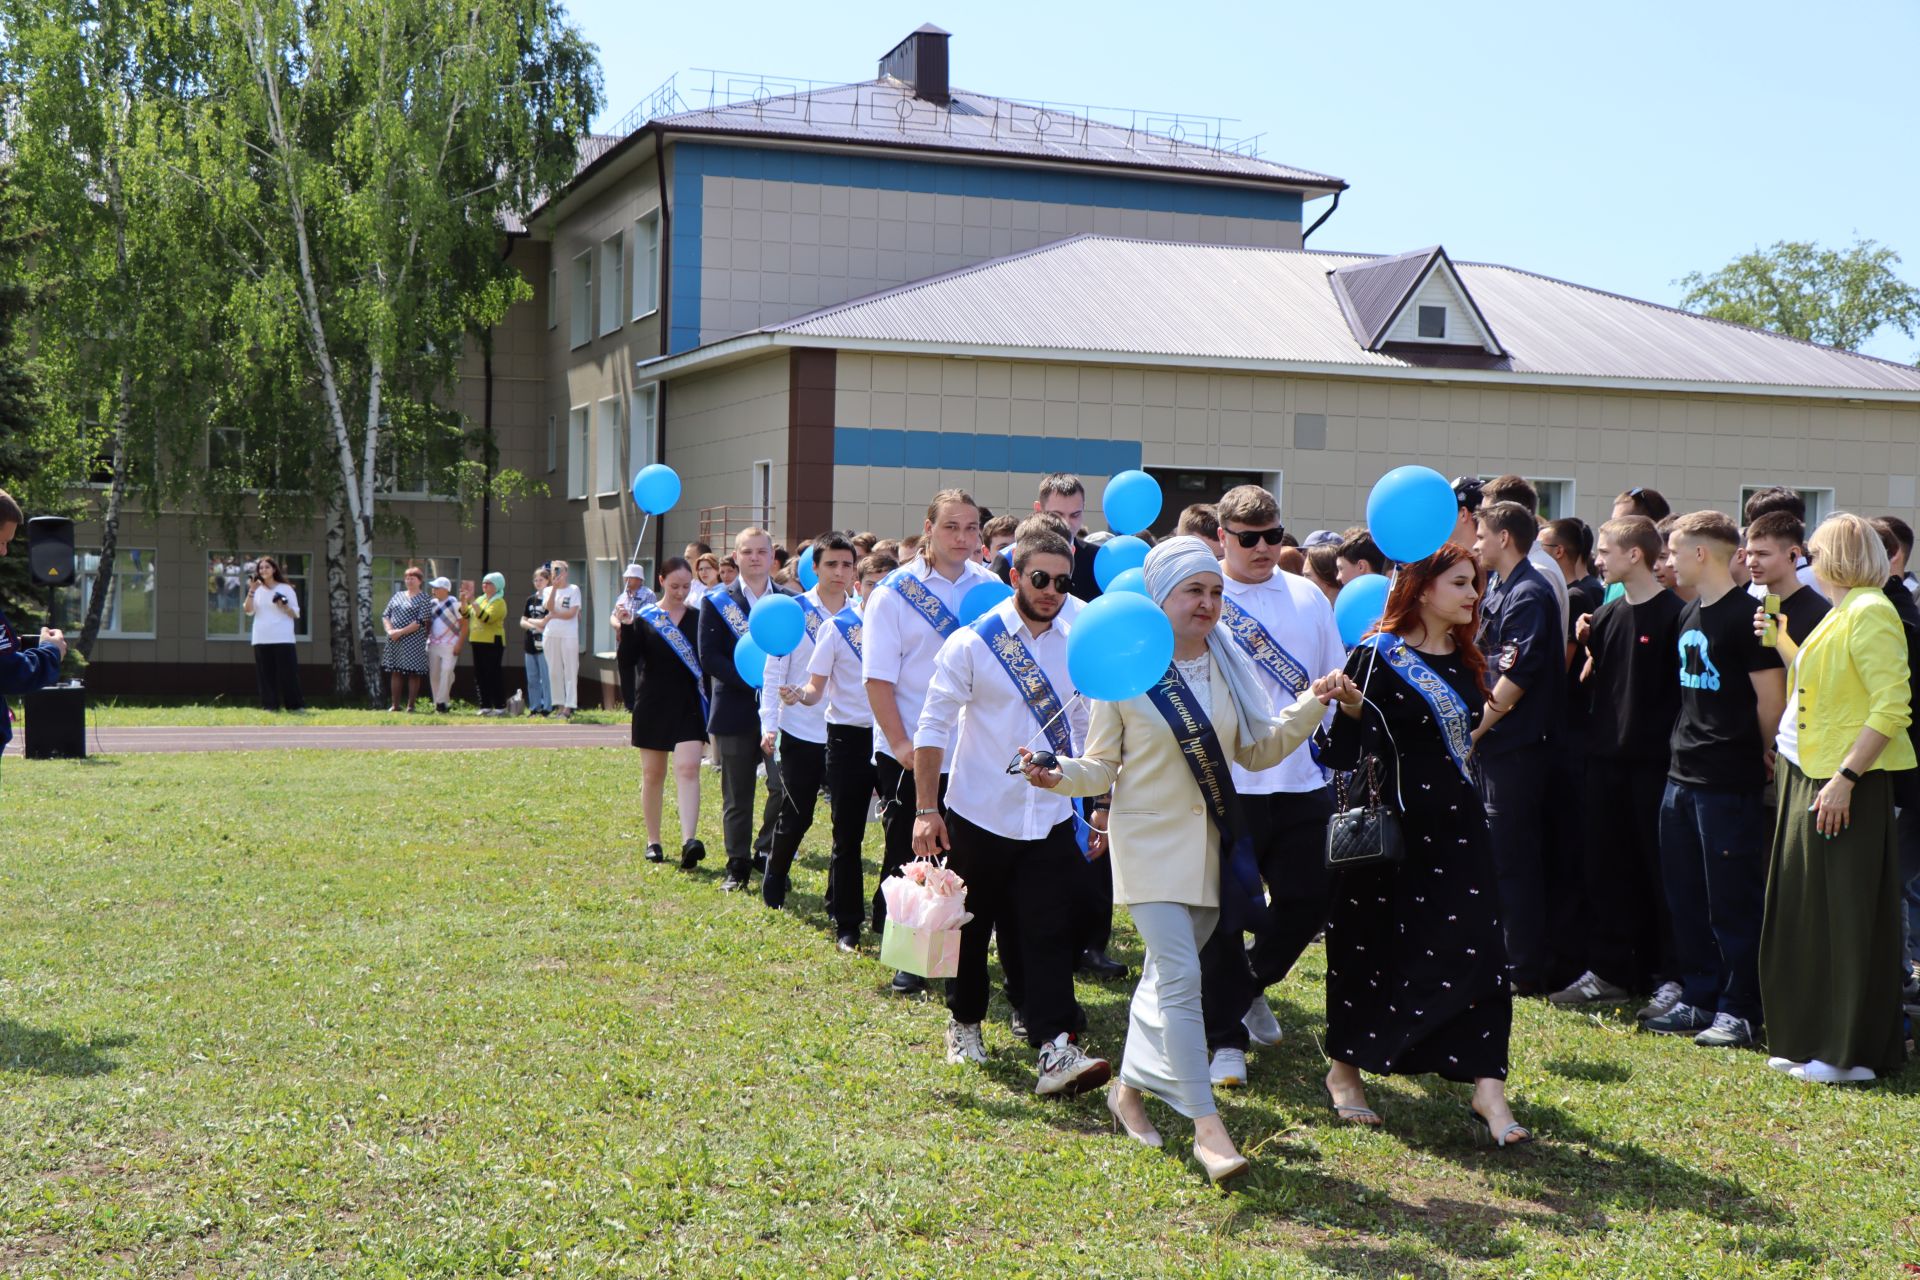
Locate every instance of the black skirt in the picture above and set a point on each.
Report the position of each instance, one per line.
(666, 706)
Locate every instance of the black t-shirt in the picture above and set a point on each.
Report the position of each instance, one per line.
(534, 609)
(1635, 685)
(1583, 597)
(1804, 609)
(1716, 740)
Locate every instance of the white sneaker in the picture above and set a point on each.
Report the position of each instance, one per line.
(1662, 1003)
(1818, 1072)
(964, 1044)
(1229, 1069)
(1785, 1066)
(1261, 1025)
(1066, 1069)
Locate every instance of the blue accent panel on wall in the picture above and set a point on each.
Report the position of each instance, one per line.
(955, 178)
(683, 291)
(969, 451)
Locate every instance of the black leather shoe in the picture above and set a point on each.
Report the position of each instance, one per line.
(691, 853)
(656, 854)
(1100, 965)
(908, 984)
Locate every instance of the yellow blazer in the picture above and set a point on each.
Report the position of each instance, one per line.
(1160, 836)
(1852, 673)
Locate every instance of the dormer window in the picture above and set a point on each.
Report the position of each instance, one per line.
(1412, 304)
(1433, 322)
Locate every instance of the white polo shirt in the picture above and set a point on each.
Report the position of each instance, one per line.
(974, 713)
(1296, 614)
(846, 697)
(809, 724)
(899, 643)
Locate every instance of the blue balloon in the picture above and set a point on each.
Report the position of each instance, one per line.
(981, 599)
(1411, 513)
(1134, 580)
(1131, 501)
(1359, 605)
(1116, 557)
(809, 576)
(750, 660)
(656, 488)
(777, 624)
(1119, 646)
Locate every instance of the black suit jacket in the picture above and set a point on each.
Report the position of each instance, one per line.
(735, 705)
(1085, 585)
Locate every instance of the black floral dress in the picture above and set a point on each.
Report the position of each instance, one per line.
(1416, 961)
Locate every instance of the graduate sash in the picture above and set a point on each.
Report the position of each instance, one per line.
(1029, 680)
(848, 623)
(814, 617)
(730, 611)
(1267, 653)
(1241, 903)
(1450, 710)
(677, 641)
(922, 601)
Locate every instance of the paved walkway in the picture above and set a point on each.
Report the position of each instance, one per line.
(395, 737)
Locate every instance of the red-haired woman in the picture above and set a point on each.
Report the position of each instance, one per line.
(1416, 966)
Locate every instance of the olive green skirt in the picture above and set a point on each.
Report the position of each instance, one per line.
(1830, 942)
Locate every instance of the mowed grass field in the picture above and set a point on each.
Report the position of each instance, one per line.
(410, 1015)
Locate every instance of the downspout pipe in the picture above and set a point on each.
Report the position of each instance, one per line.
(1322, 218)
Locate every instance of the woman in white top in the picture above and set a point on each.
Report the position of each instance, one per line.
(562, 634)
(274, 607)
(445, 637)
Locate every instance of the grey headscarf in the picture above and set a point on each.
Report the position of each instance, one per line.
(1168, 565)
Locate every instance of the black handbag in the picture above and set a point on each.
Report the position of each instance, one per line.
(1363, 831)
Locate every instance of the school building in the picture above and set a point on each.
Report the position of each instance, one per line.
(820, 303)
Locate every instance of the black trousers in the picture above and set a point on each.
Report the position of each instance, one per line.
(1565, 824)
(740, 760)
(1290, 843)
(1629, 930)
(849, 788)
(1016, 887)
(1513, 784)
(897, 803)
(803, 767)
(277, 668)
(486, 674)
(1094, 903)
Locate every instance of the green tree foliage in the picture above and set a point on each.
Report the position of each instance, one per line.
(1839, 298)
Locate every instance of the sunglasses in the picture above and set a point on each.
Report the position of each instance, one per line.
(1250, 538)
(1043, 581)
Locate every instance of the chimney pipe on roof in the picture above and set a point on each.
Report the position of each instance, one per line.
(920, 62)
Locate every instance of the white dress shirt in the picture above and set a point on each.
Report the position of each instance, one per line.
(1542, 559)
(1297, 615)
(899, 644)
(977, 716)
(809, 724)
(846, 695)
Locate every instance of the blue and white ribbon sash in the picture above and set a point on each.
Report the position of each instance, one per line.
(1267, 653)
(848, 623)
(677, 641)
(1029, 680)
(815, 615)
(730, 611)
(913, 591)
(1241, 903)
(1450, 710)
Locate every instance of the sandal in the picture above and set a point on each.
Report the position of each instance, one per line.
(1364, 1116)
(1514, 1135)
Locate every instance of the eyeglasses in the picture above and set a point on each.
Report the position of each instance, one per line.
(1043, 581)
(1253, 537)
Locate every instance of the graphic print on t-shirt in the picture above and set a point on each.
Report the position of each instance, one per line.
(1696, 668)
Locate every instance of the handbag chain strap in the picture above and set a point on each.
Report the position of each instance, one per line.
(1369, 763)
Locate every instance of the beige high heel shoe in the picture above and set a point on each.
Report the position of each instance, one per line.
(1146, 1137)
(1220, 1169)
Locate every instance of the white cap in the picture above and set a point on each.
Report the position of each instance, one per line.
(634, 571)
(441, 584)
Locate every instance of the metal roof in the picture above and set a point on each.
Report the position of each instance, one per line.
(885, 112)
(1120, 297)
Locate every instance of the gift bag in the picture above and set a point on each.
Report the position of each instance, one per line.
(926, 905)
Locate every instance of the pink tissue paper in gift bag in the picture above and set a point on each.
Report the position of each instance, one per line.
(926, 905)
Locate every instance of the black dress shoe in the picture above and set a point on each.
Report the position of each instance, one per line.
(691, 853)
(1100, 965)
(656, 854)
(759, 860)
(908, 984)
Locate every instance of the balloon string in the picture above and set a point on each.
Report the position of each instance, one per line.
(642, 539)
(1056, 715)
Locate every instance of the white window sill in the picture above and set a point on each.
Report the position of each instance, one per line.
(306, 639)
(647, 314)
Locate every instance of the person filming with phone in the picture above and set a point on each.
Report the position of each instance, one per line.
(23, 667)
(274, 607)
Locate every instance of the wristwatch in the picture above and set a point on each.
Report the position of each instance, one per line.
(1849, 774)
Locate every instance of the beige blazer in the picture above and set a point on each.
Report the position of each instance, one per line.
(1160, 836)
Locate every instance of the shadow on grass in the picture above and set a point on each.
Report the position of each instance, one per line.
(1590, 1072)
(52, 1053)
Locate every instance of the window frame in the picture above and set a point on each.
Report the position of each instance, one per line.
(1819, 500)
(643, 427)
(761, 486)
(553, 298)
(606, 446)
(579, 423)
(612, 270)
(1427, 309)
(82, 587)
(303, 628)
(645, 276)
(1543, 485)
(580, 313)
(610, 583)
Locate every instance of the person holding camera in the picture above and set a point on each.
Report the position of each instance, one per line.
(23, 667)
(274, 607)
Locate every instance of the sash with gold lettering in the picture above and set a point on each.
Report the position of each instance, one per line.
(1242, 905)
(730, 611)
(1029, 680)
(1450, 710)
(915, 595)
(848, 623)
(814, 616)
(677, 641)
(1267, 653)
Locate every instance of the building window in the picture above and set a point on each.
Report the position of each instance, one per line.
(1556, 496)
(643, 432)
(553, 443)
(646, 274)
(577, 452)
(129, 611)
(390, 574)
(230, 578)
(1433, 324)
(607, 586)
(606, 460)
(1819, 503)
(763, 494)
(580, 328)
(611, 268)
(553, 297)
(577, 575)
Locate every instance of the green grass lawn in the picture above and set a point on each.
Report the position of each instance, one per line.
(401, 1015)
(110, 712)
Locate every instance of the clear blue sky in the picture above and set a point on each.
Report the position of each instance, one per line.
(1616, 146)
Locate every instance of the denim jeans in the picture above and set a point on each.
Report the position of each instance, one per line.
(1713, 858)
(539, 697)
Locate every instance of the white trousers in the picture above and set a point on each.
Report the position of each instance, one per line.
(441, 661)
(563, 669)
(1166, 1053)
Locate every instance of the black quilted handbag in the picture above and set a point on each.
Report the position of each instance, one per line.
(1363, 831)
